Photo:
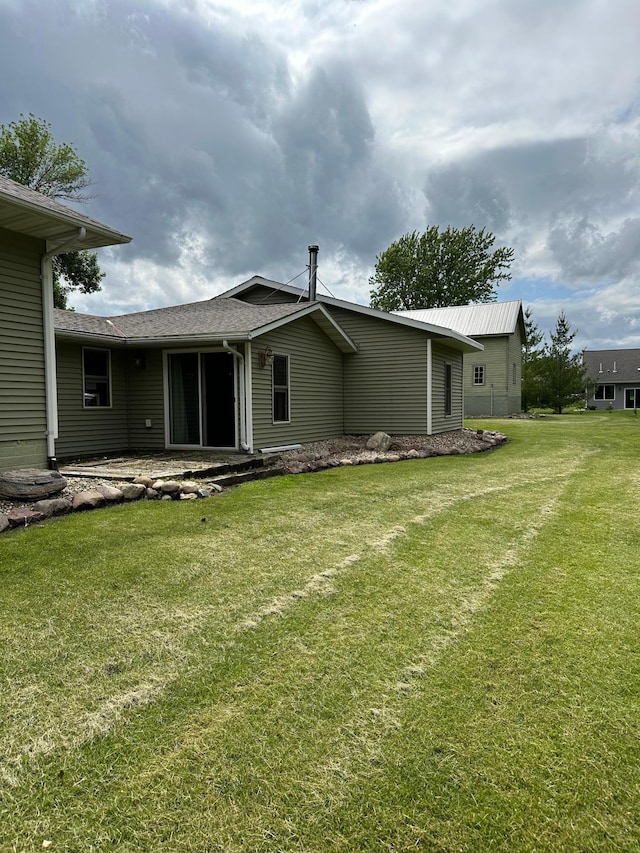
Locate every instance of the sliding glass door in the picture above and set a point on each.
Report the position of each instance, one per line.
(202, 407)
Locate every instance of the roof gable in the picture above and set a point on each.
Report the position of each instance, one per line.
(455, 338)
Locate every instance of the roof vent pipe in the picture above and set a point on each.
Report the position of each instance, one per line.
(313, 272)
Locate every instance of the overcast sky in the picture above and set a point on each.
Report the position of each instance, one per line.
(224, 137)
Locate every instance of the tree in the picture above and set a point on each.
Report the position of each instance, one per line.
(30, 156)
(532, 352)
(562, 374)
(439, 268)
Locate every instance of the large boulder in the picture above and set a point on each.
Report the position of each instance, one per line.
(22, 516)
(111, 494)
(133, 491)
(89, 499)
(53, 506)
(30, 484)
(379, 441)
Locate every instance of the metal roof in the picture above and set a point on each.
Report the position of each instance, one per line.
(212, 319)
(485, 318)
(36, 215)
(609, 366)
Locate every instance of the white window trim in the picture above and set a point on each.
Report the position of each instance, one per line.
(483, 369)
(167, 408)
(109, 378)
(273, 389)
(604, 399)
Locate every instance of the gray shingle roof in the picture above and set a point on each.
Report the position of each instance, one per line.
(85, 324)
(609, 366)
(486, 318)
(215, 316)
(220, 317)
(29, 212)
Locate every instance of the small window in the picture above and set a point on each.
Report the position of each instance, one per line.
(514, 373)
(448, 389)
(280, 379)
(96, 371)
(605, 392)
(478, 374)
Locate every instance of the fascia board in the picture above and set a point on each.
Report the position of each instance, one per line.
(98, 235)
(459, 341)
(328, 325)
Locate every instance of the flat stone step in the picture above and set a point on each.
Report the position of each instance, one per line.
(124, 474)
(235, 479)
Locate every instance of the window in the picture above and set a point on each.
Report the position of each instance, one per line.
(448, 389)
(280, 379)
(514, 374)
(96, 372)
(478, 374)
(605, 392)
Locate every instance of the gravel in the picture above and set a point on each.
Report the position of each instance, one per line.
(351, 447)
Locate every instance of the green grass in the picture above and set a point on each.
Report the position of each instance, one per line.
(431, 655)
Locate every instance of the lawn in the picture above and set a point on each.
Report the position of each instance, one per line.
(434, 655)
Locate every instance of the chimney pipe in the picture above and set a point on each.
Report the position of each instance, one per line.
(313, 272)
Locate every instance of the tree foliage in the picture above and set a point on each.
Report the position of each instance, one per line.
(532, 352)
(30, 156)
(436, 268)
(556, 376)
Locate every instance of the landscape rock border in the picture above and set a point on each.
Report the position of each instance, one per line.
(317, 456)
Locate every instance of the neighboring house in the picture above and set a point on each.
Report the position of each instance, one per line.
(492, 378)
(33, 228)
(255, 368)
(616, 373)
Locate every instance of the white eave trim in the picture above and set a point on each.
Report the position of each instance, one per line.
(437, 331)
(339, 337)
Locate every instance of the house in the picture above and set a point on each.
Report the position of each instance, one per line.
(493, 377)
(616, 373)
(33, 228)
(258, 367)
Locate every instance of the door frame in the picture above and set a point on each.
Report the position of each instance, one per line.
(167, 398)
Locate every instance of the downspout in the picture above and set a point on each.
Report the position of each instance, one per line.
(248, 390)
(243, 396)
(429, 388)
(51, 389)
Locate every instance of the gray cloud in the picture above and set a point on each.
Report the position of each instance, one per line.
(227, 137)
(586, 255)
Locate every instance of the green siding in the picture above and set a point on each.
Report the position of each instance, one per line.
(499, 395)
(146, 400)
(88, 431)
(440, 356)
(514, 401)
(316, 386)
(261, 295)
(386, 380)
(22, 378)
